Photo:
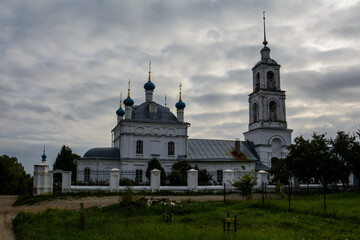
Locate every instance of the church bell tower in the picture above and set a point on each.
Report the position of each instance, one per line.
(267, 113)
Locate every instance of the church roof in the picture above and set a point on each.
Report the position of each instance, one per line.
(162, 114)
(261, 166)
(103, 153)
(215, 150)
(267, 61)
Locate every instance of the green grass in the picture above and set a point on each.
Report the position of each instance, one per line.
(202, 220)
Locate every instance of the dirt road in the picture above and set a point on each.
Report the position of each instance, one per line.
(8, 212)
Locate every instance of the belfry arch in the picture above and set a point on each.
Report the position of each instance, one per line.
(273, 111)
(255, 111)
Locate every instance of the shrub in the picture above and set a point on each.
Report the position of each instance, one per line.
(246, 183)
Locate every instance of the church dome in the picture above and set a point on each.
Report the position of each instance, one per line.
(180, 105)
(120, 112)
(149, 86)
(43, 157)
(128, 101)
(144, 112)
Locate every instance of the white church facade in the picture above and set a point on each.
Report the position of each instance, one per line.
(150, 130)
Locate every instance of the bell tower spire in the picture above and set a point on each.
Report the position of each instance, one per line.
(264, 42)
(267, 116)
(149, 87)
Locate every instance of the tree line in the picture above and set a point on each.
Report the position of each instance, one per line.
(329, 161)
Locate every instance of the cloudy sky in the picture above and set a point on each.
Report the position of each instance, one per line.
(64, 63)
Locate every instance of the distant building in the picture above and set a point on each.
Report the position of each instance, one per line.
(150, 130)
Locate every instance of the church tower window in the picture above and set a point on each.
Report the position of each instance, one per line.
(139, 147)
(270, 80)
(273, 111)
(171, 149)
(255, 111)
(257, 82)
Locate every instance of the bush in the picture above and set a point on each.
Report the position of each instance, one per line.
(246, 183)
(152, 164)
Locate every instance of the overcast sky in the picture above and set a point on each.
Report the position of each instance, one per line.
(64, 63)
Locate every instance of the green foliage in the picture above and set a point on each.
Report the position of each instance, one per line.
(280, 172)
(128, 182)
(152, 164)
(204, 177)
(65, 160)
(327, 160)
(128, 200)
(202, 220)
(13, 178)
(178, 174)
(246, 183)
(278, 189)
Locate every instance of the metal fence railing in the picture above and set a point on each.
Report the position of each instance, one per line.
(137, 177)
(102, 177)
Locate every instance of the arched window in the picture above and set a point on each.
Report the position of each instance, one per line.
(257, 82)
(139, 147)
(273, 111)
(171, 148)
(255, 111)
(270, 80)
(86, 174)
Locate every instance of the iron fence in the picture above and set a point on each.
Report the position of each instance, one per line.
(102, 177)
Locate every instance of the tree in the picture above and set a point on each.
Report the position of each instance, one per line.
(246, 183)
(178, 175)
(152, 164)
(348, 150)
(13, 178)
(281, 172)
(297, 163)
(204, 177)
(65, 160)
(344, 149)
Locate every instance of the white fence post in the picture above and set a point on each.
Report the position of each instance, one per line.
(42, 183)
(155, 180)
(228, 178)
(263, 177)
(66, 182)
(192, 179)
(114, 179)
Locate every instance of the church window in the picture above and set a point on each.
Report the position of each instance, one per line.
(257, 82)
(171, 149)
(219, 176)
(87, 175)
(139, 147)
(270, 80)
(273, 111)
(255, 112)
(138, 177)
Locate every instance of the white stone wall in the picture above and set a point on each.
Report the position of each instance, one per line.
(155, 137)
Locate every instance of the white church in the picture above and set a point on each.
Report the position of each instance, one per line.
(150, 130)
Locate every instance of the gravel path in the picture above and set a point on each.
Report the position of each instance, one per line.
(8, 212)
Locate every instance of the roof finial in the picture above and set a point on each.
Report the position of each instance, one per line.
(264, 42)
(165, 100)
(149, 71)
(180, 92)
(43, 156)
(120, 99)
(129, 88)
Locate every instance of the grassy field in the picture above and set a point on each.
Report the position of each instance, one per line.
(201, 220)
